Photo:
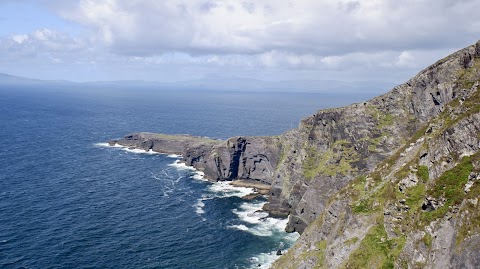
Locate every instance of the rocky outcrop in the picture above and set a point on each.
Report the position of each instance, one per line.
(241, 158)
(384, 183)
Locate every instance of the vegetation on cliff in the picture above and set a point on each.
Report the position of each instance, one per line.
(417, 207)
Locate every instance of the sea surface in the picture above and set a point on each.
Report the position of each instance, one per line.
(69, 201)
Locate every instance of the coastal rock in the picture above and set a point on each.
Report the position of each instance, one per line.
(252, 159)
(387, 182)
(428, 167)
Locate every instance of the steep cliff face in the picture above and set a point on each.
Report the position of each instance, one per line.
(334, 146)
(413, 202)
(391, 182)
(245, 158)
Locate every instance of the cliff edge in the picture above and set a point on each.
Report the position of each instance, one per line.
(391, 182)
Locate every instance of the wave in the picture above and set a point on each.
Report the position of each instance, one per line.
(224, 189)
(259, 224)
(240, 227)
(182, 166)
(263, 260)
(199, 207)
(253, 219)
(107, 145)
(131, 150)
(199, 175)
(262, 224)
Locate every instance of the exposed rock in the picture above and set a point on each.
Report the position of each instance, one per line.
(429, 220)
(380, 183)
(247, 158)
(431, 203)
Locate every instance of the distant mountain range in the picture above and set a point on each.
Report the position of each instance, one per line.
(218, 84)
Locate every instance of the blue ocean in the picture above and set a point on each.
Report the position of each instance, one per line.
(69, 201)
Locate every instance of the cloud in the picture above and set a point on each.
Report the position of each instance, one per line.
(20, 38)
(324, 28)
(181, 39)
(39, 49)
(40, 41)
(405, 59)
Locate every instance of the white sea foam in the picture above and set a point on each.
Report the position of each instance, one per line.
(199, 175)
(251, 212)
(136, 151)
(264, 260)
(273, 228)
(181, 166)
(223, 189)
(103, 145)
(262, 225)
(140, 151)
(107, 145)
(255, 221)
(133, 150)
(199, 207)
(175, 156)
(240, 227)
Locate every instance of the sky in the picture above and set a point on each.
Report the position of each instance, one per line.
(272, 40)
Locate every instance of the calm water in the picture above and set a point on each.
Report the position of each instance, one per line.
(68, 202)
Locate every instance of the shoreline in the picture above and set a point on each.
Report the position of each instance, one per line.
(259, 189)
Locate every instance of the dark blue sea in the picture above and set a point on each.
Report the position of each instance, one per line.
(68, 201)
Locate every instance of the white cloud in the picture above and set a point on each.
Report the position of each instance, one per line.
(328, 27)
(20, 38)
(40, 42)
(311, 39)
(405, 59)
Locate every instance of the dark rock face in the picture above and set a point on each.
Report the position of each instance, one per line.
(246, 158)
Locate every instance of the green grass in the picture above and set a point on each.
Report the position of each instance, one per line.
(385, 120)
(415, 195)
(363, 206)
(351, 241)
(283, 154)
(376, 250)
(450, 187)
(422, 173)
(334, 161)
(186, 137)
(427, 240)
(321, 247)
(470, 224)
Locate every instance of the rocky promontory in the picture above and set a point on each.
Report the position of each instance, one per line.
(250, 161)
(388, 183)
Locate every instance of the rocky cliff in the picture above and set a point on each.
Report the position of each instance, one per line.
(391, 182)
(238, 158)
